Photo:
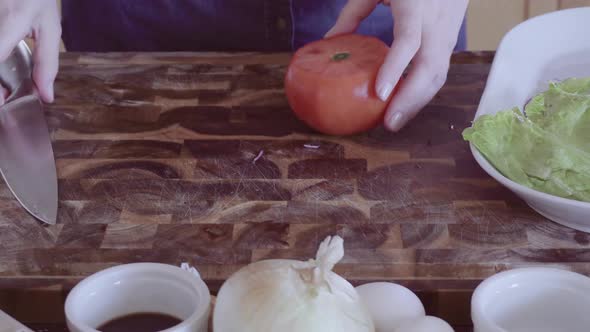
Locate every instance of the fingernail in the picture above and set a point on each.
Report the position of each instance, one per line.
(384, 91)
(396, 121)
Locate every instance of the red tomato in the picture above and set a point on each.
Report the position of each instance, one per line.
(330, 84)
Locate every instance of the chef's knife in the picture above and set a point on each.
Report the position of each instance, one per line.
(27, 163)
(9, 324)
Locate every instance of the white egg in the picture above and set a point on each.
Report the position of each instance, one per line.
(424, 324)
(390, 304)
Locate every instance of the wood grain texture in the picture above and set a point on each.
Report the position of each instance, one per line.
(194, 156)
(197, 158)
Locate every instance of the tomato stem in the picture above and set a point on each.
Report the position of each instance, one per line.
(340, 56)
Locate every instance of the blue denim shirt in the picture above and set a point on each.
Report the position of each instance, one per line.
(208, 25)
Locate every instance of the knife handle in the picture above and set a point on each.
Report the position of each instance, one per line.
(9, 324)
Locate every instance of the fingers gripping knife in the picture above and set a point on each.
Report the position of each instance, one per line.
(27, 163)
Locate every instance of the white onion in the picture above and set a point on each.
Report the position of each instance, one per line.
(292, 296)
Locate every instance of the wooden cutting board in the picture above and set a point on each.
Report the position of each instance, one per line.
(197, 158)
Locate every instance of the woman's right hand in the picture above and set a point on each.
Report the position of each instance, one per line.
(38, 19)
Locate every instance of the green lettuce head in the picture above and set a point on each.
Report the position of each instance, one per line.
(548, 149)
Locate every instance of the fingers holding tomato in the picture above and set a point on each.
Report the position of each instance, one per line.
(330, 84)
(425, 34)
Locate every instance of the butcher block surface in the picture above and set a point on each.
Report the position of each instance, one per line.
(197, 158)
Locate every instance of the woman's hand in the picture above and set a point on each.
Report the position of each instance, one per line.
(38, 19)
(425, 33)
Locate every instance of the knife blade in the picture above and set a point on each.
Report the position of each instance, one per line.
(27, 163)
(9, 324)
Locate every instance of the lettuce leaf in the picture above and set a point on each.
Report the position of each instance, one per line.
(549, 148)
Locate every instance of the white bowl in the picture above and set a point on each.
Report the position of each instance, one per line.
(532, 300)
(139, 288)
(547, 47)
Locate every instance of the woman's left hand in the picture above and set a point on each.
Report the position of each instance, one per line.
(425, 33)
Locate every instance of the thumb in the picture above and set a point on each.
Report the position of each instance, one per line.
(46, 58)
(353, 13)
